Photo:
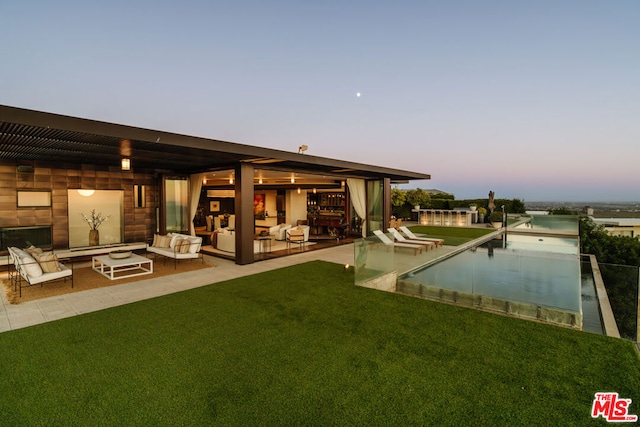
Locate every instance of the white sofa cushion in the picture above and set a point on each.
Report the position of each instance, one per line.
(28, 263)
(274, 230)
(226, 242)
(282, 233)
(194, 244)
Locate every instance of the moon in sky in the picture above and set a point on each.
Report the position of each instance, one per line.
(358, 94)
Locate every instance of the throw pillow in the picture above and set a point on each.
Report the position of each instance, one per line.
(184, 246)
(33, 251)
(48, 262)
(155, 240)
(30, 265)
(164, 241)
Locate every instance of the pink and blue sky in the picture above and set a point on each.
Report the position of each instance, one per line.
(533, 100)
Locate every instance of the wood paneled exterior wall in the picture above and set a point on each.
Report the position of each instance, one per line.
(139, 223)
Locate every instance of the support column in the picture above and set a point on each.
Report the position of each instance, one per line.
(386, 203)
(244, 213)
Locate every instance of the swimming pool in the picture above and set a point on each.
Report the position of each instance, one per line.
(523, 275)
(566, 223)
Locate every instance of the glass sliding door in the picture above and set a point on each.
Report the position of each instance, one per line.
(374, 206)
(176, 196)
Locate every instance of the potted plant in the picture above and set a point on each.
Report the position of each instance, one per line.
(473, 206)
(495, 218)
(94, 221)
(482, 212)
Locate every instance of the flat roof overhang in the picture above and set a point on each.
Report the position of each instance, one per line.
(29, 135)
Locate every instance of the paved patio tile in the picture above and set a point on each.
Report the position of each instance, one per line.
(55, 308)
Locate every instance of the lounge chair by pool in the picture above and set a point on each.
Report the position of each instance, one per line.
(401, 239)
(387, 241)
(411, 236)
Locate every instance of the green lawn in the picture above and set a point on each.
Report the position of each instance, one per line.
(453, 236)
(304, 346)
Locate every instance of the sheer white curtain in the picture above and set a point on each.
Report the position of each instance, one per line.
(195, 185)
(358, 193)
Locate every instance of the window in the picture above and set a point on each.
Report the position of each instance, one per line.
(177, 204)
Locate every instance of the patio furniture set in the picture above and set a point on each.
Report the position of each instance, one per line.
(33, 266)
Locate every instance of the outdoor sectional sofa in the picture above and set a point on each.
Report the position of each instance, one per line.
(176, 246)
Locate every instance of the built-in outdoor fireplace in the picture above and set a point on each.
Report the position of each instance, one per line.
(23, 237)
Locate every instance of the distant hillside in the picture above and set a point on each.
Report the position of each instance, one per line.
(600, 209)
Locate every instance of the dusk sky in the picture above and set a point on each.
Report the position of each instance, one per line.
(536, 100)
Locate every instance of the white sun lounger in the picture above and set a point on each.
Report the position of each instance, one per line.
(387, 241)
(411, 236)
(401, 239)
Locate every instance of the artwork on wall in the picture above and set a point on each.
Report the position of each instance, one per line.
(259, 207)
(214, 206)
(34, 199)
(97, 214)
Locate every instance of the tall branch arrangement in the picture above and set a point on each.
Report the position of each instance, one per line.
(95, 220)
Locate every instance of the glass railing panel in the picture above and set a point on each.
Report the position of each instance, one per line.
(621, 282)
(373, 260)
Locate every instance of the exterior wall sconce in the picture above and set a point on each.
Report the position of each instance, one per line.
(293, 180)
(298, 190)
(204, 181)
(126, 164)
(314, 191)
(259, 180)
(230, 180)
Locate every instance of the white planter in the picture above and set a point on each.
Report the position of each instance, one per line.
(416, 207)
(496, 224)
(473, 208)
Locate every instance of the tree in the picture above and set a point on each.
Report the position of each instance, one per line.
(618, 258)
(562, 211)
(398, 197)
(517, 206)
(418, 197)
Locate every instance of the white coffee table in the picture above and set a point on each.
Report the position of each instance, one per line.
(108, 267)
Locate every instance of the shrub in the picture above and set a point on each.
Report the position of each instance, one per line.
(496, 216)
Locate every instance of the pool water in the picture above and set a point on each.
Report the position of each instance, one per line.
(567, 223)
(531, 276)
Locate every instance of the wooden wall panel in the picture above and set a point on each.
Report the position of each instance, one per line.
(139, 223)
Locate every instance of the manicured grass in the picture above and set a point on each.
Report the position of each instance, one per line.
(453, 236)
(304, 346)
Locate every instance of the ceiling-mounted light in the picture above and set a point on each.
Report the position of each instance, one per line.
(125, 164)
(86, 193)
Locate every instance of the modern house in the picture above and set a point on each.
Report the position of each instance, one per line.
(56, 168)
(629, 227)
